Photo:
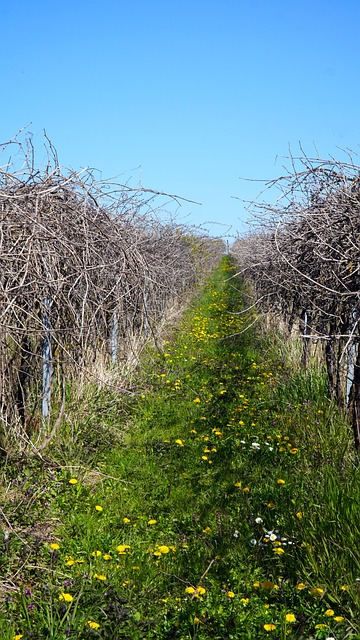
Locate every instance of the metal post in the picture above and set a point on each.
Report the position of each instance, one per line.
(47, 357)
(114, 342)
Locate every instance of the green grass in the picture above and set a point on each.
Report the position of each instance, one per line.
(214, 502)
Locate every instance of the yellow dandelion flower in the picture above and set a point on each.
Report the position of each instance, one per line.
(290, 617)
(321, 625)
(121, 548)
(244, 601)
(152, 521)
(73, 481)
(269, 627)
(339, 618)
(344, 587)
(126, 520)
(294, 450)
(54, 546)
(100, 576)
(164, 549)
(279, 551)
(300, 515)
(246, 489)
(93, 625)
(107, 556)
(18, 636)
(329, 612)
(256, 585)
(230, 594)
(70, 562)
(66, 597)
(280, 481)
(300, 586)
(98, 507)
(317, 592)
(207, 530)
(197, 400)
(237, 484)
(96, 554)
(179, 442)
(190, 590)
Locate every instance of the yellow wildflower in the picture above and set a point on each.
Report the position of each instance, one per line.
(280, 481)
(98, 508)
(339, 618)
(164, 549)
(190, 590)
(54, 546)
(230, 594)
(73, 481)
(98, 576)
(329, 612)
(179, 442)
(300, 586)
(93, 625)
(290, 617)
(197, 400)
(269, 627)
(66, 597)
(121, 548)
(126, 520)
(152, 521)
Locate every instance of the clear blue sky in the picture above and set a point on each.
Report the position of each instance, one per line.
(197, 92)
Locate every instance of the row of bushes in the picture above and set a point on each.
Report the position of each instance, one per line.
(302, 258)
(85, 266)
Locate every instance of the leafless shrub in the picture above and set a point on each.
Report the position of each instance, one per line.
(84, 265)
(303, 259)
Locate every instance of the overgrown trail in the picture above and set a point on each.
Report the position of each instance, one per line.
(217, 513)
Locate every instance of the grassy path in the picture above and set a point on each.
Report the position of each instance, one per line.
(226, 509)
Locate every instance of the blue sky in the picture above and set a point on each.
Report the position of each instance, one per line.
(198, 93)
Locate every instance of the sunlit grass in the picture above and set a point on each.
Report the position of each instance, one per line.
(210, 504)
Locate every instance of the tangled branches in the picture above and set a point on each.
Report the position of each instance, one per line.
(303, 260)
(85, 265)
